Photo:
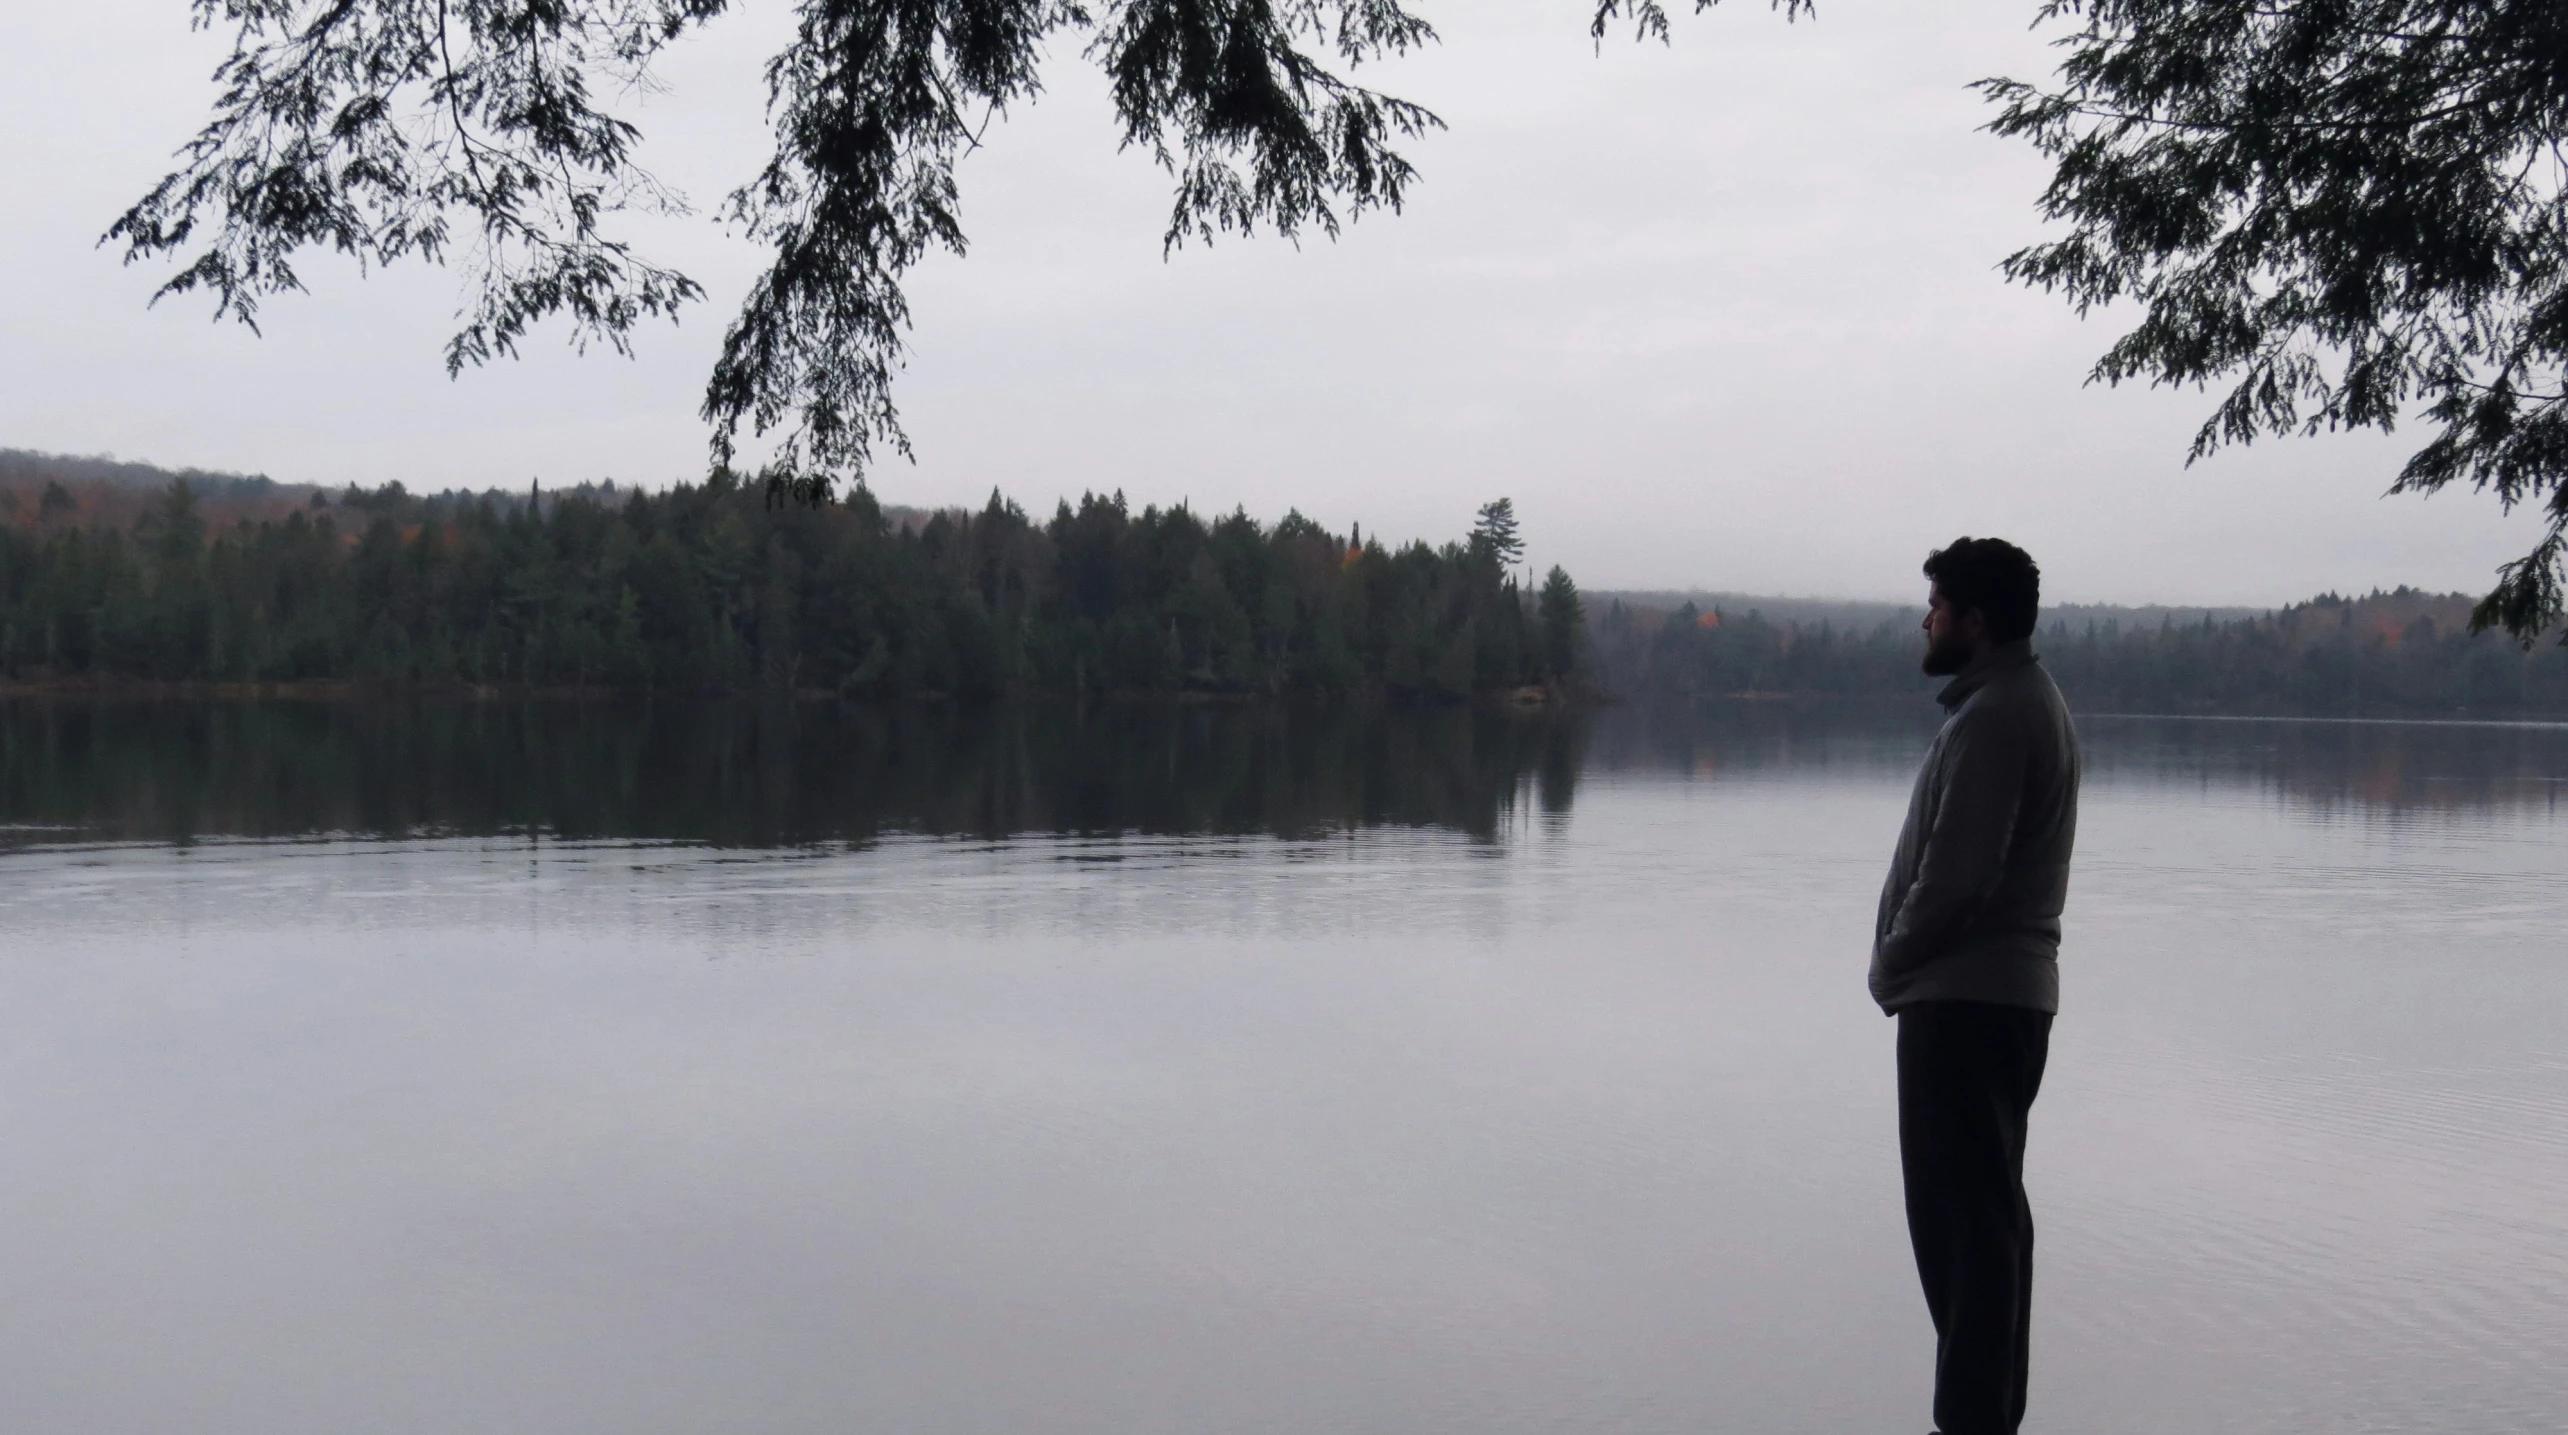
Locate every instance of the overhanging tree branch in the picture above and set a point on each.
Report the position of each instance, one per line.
(371, 127)
(2350, 213)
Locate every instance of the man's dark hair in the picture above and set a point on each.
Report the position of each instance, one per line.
(1994, 576)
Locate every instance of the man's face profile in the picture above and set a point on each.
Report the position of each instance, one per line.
(1952, 637)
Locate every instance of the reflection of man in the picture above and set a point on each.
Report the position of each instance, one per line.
(1966, 956)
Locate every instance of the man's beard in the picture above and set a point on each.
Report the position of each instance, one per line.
(1947, 657)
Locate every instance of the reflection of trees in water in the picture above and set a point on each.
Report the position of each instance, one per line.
(746, 774)
(2451, 766)
(1708, 738)
(749, 774)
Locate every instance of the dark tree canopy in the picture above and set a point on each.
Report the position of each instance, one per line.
(2348, 211)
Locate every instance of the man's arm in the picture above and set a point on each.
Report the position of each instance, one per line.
(1965, 846)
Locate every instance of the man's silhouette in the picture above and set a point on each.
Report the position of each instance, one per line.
(1966, 956)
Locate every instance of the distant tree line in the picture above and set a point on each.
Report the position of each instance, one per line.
(2350, 656)
(708, 587)
(2397, 653)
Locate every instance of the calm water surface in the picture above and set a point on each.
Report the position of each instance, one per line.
(692, 1070)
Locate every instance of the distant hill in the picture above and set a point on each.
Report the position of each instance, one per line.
(2385, 614)
(102, 490)
(1859, 616)
(112, 492)
(2400, 651)
(20, 467)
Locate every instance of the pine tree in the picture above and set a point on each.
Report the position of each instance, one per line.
(1494, 537)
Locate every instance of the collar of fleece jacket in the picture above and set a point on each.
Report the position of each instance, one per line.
(2004, 658)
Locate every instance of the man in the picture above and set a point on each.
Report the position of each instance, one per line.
(1966, 957)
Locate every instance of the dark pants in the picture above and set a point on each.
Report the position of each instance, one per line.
(1967, 1075)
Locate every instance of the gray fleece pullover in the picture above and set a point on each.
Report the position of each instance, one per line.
(1972, 908)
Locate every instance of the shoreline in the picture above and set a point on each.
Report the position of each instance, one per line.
(1527, 700)
(344, 690)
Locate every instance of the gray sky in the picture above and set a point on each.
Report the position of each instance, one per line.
(1721, 314)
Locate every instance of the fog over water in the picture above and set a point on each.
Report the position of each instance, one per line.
(1418, 1073)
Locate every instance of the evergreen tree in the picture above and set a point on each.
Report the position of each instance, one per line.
(1493, 534)
(1562, 623)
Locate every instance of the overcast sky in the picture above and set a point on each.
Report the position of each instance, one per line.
(1721, 314)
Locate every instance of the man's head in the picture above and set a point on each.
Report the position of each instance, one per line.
(1985, 593)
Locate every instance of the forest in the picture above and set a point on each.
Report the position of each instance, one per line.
(713, 587)
(119, 574)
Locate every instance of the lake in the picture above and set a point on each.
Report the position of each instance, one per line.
(425, 1067)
